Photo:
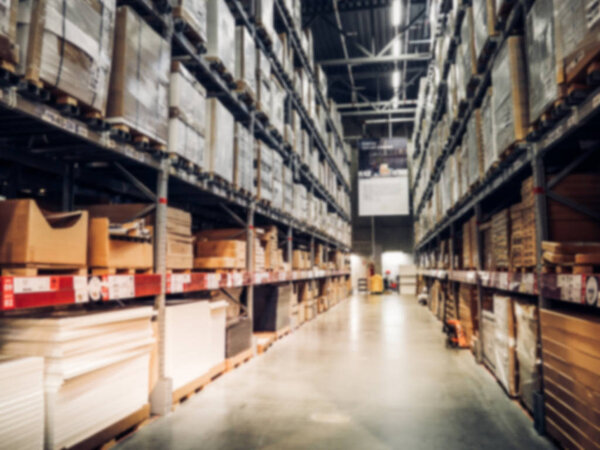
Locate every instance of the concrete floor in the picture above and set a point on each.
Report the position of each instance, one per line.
(372, 373)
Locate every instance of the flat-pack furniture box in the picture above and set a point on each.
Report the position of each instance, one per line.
(264, 172)
(139, 82)
(113, 246)
(243, 154)
(571, 375)
(9, 48)
(97, 367)
(245, 61)
(187, 112)
(220, 254)
(68, 47)
(190, 15)
(32, 237)
(272, 307)
(219, 142)
(509, 97)
(220, 44)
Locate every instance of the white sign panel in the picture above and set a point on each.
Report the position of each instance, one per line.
(384, 196)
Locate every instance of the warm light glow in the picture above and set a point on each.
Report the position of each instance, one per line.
(396, 47)
(396, 79)
(396, 12)
(395, 102)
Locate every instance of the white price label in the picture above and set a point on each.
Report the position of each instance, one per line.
(25, 285)
(502, 280)
(121, 287)
(527, 283)
(178, 281)
(212, 280)
(80, 286)
(237, 279)
(570, 287)
(471, 277)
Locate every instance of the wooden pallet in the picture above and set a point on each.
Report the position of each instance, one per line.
(182, 163)
(185, 392)
(120, 271)
(236, 361)
(575, 257)
(217, 64)
(552, 114)
(32, 270)
(264, 35)
(124, 133)
(245, 93)
(116, 432)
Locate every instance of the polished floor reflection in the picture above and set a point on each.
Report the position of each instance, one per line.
(372, 373)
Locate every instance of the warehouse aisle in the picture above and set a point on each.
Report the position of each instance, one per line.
(372, 373)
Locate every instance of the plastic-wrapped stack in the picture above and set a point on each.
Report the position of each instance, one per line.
(484, 24)
(220, 42)
(68, 46)
(487, 131)
(264, 172)
(219, 141)
(89, 358)
(277, 200)
(300, 208)
(288, 189)
(527, 320)
(187, 109)
(245, 60)
(139, 81)
(264, 90)
(474, 150)
(243, 166)
(503, 344)
(509, 97)
(467, 49)
(22, 400)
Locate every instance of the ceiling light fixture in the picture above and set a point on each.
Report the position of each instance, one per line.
(396, 79)
(396, 12)
(396, 47)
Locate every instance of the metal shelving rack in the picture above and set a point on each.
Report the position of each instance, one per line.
(80, 158)
(529, 158)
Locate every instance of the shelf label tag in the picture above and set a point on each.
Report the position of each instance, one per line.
(27, 285)
(121, 287)
(212, 280)
(237, 279)
(178, 282)
(80, 287)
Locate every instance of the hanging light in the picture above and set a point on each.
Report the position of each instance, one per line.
(395, 102)
(396, 79)
(396, 12)
(396, 47)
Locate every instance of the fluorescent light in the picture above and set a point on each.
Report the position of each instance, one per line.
(395, 101)
(396, 46)
(396, 79)
(396, 12)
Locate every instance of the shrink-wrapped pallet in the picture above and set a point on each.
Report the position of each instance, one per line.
(543, 70)
(488, 131)
(263, 12)
(245, 60)
(264, 172)
(484, 24)
(96, 368)
(509, 96)
(277, 200)
(193, 14)
(264, 95)
(68, 47)
(243, 169)
(277, 105)
(474, 150)
(300, 202)
(9, 49)
(219, 141)
(467, 48)
(139, 81)
(22, 400)
(220, 40)
(504, 355)
(527, 330)
(187, 109)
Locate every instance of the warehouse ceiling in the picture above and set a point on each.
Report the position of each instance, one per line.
(354, 44)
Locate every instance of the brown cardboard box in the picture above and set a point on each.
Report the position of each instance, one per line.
(139, 81)
(104, 252)
(68, 46)
(30, 236)
(226, 254)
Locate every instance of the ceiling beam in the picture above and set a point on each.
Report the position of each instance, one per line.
(374, 104)
(310, 8)
(367, 75)
(375, 59)
(383, 112)
(386, 121)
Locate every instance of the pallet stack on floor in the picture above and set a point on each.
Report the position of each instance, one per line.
(506, 168)
(122, 109)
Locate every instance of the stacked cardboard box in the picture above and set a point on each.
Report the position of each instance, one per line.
(220, 41)
(187, 110)
(243, 159)
(501, 239)
(193, 14)
(571, 371)
(180, 248)
(220, 254)
(468, 312)
(263, 172)
(469, 240)
(245, 61)
(474, 148)
(509, 97)
(139, 81)
(219, 159)
(77, 60)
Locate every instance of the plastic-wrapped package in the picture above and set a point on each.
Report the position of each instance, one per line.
(263, 15)
(9, 49)
(220, 34)
(264, 171)
(504, 344)
(452, 93)
(219, 140)
(193, 14)
(288, 189)
(245, 60)
(484, 23)
(526, 315)
(509, 98)
(187, 98)
(488, 131)
(243, 169)
(461, 84)
(68, 46)
(474, 152)
(264, 95)
(277, 105)
(467, 47)
(300, 206)
(185, 141)
(541, 58)
(277, 200)
(139, 82)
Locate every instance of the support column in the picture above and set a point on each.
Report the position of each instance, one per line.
(161, 396)
(480, 260)
(250, 258)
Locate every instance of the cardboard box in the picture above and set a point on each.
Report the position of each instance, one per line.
(9, 48)
(220, 44)
(474, 148)
(219, 141)
(193, 14)
(139, 81)
(264, 171)
(224, 254)
(243, 169)
(31, 236)
(277, 199)
(68, 46)
(245, 60)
